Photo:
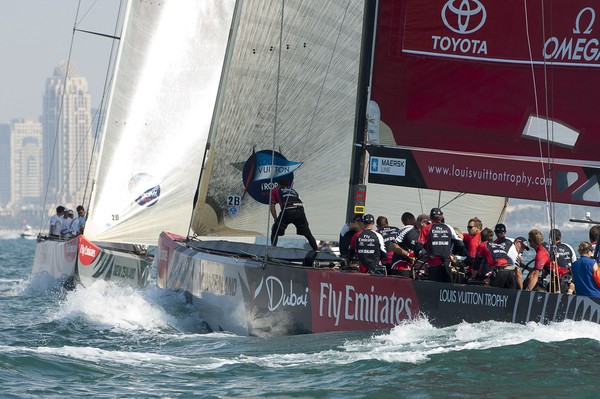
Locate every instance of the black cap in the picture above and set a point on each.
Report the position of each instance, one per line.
(523, 241)
(500, 228)
(555, 234)
(368, 219)
(436, 212)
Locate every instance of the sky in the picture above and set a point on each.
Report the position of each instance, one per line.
(35, 35)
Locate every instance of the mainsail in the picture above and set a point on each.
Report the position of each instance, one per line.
(489, 97)
(288, 105)
(161, 105)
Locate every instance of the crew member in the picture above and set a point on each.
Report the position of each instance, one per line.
(494, 265)
(438, 239)
(292, 212)
(348, 231)
(565, 254)
(542, 258)
(56, 222)
(404, 247)
(474, 227)
(514, 249)
(584, 270)
(369, 246)
(389, 234)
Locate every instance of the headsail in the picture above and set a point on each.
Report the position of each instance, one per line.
(290, 87)
(164, 92)
(489, 97)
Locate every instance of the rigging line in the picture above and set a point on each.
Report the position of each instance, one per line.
(277, 81)
(85, 14)
(314, 114)
(58, 126)
(101, 112)
(458, 196)
(536, 100)
(98, 34)
(549, 129)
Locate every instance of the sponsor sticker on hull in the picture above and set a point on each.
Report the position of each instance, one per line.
(88, 252)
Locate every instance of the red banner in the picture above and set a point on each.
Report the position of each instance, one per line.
(502, 79)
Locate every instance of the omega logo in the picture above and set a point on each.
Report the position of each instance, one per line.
(591, 22)
(467, 18)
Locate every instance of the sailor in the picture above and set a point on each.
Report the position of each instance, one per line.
(513, 248)
(474, 227)
(404, 247)
(408, 219)
(565, 254)
(515, 252)
(346, 234)
(292, 212)
(541, 261)
(369, 247)
(585, 272)
(494, 265)
(81, 217)
(56, 222)
(439, 239)
(389, 234)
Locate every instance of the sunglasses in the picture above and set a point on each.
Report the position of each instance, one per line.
(470, 227)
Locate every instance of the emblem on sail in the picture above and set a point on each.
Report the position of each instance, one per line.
(145, 189)
(263, 166)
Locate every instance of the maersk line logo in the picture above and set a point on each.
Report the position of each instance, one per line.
(388, 166)
(262, 172)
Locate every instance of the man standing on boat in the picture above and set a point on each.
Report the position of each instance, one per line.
(292, 212)
(440, 241)
(56, 222)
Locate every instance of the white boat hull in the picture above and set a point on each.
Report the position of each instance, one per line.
(82, 262)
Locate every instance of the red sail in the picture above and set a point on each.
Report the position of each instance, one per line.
(482, 96)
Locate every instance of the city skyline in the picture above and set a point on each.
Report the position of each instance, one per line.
(36, 37)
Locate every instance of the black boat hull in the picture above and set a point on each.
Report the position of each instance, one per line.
(248, 296)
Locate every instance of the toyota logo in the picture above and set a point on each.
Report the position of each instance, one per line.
(467, 18)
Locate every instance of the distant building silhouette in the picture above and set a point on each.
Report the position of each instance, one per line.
(67, 132)
(5, 175)
(26, 151)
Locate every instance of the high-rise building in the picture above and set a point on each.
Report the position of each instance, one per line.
(68, 132)
(4, 163)
(26, 162)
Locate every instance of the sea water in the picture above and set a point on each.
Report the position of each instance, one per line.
(111, 342)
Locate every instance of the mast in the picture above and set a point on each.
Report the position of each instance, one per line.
(357, 187)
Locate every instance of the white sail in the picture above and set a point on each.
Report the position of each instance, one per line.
(298, 98)
(163, 96)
